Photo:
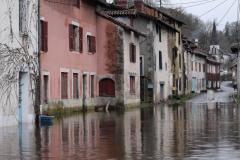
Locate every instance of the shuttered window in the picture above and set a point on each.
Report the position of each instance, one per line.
(80, 39)
(92, 86)
(77, 3)
(160, 61)
(75, 86)
(132, 85)
(91, 41)
(132, 51)
(64, 85)
(107, 88)
(75, 38)
(44, 36)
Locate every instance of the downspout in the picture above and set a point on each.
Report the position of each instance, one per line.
(38, 80)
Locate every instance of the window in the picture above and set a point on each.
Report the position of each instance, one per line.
(160, 60)
(195, 66)
(132, 51)
(192, 66)
(75, 86)
(180, 84)
(132, 85)
(45, 88)
(44, 36)
(92, 86)
(141, 66)
(77, 3)
(91, 42)
(22, 16)
(179, 38)
(159, 31)
(64, 85)
(107, 88)
(200, 67)
(180, 61)
(75, 38)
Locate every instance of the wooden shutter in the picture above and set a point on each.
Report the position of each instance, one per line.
(134, 53)
(44, 36)
(160, 60)
(78, 3)
(71, 37)
(80, 39)
(92, 44)
(64, 85)
(131, 52)
(75, 86)
(132, 84)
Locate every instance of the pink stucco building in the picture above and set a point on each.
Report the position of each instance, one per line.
(87, 58)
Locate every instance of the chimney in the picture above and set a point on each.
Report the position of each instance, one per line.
(121, 3)
(128, 3)
(196, 42)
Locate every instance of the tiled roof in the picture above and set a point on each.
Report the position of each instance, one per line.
(125, 12)
(125, 26)
(134, 12)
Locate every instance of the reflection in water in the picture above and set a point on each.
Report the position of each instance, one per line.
(192, 131)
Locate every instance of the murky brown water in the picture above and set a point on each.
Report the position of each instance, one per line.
(192, 131)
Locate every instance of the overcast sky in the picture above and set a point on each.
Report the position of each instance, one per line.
(199, 7)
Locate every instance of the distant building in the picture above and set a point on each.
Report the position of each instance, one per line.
(161, 58)
(195, 67)
(214, 61)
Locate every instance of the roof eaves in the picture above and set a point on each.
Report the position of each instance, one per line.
(125, 26)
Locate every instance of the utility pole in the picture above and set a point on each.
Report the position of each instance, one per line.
(160, 1)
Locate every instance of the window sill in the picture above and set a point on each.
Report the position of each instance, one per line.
(107, 96)
(75, 52)
(43, 52)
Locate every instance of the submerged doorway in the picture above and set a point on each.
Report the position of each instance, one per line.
(23, 97)
(161, 91)
(84, 91)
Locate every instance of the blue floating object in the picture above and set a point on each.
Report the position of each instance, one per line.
(46, 120)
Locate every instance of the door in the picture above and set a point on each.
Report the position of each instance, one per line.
(162, 91)
(194, 85)
(45, 88)
(84, 90)
(23, 97)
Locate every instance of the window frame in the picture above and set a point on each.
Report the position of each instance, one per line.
(132, 53)
(132, 85)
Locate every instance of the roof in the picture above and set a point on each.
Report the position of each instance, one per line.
(134, 12)
(210, 59)
(199, 52)
(165, 13)
(125, 26)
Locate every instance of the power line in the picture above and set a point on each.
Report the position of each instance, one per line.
(198, 4)
(210, 10)
(171, 4)
(226, 13)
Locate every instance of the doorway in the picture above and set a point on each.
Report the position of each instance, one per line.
(161, 91)
(84, 90)
(45, 88)
(23, 97)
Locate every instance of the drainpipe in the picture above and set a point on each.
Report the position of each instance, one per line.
(38, 80)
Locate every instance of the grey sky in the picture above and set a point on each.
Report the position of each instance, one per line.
(217, 13)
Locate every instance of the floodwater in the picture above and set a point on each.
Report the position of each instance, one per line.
(191, 131)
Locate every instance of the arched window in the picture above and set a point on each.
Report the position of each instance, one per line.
(106, 88)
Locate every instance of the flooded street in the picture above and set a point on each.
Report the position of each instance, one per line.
(161, 132)
(191, 131)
